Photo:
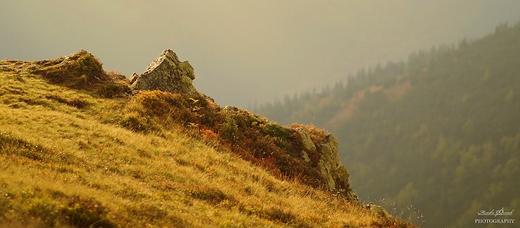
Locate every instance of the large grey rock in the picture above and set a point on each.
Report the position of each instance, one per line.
(329, 163)
(307, 143)
(166, 73)
(332, 169)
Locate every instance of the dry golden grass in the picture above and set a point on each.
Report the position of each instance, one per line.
(65, 161)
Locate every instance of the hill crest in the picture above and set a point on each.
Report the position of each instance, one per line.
(81, 149)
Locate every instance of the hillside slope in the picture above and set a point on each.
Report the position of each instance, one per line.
(439, 133)
(80, 148)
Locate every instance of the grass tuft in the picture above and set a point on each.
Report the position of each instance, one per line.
(211, 195)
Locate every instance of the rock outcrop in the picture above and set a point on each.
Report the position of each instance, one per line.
(290, 151)
(299, 152)
(329, 164)
(80, 70)
(377, 210)
(166, 73)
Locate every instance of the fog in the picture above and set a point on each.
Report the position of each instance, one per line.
(246, 51)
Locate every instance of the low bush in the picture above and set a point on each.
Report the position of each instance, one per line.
(113, 89)
(138, 123)
(265, 143)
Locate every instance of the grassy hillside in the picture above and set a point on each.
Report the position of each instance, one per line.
(77, 149)
(439, 133)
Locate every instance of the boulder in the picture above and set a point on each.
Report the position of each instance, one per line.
(166, 73)
(80, 70)
(329, 163)
(378, 210)
(308, 144)
(133, 78)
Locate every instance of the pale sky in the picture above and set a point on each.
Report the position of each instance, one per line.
(243, 50)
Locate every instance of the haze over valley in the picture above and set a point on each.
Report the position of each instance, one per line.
(246, 51)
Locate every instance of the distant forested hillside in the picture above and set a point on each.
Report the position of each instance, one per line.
(440, 132)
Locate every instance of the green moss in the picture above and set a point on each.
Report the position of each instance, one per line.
(276, 130)
(187, 70)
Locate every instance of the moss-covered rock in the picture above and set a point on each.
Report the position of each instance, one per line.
(80, 70)
(325, 148)
(295, 152)
(166, 73)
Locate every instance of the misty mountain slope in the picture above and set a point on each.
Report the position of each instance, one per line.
(440, 132)
(236, 44)
(79, 148)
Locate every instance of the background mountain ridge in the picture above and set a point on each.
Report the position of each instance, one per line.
(439, 132)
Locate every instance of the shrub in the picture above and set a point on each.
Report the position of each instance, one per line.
(317, 135)
(113, 89)
(171, 110)
(137, 123)
(276, 130)
(229, 130)
(256, 139)
(153, 103)
(82, 212)
(65, 211)
(89, 65)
